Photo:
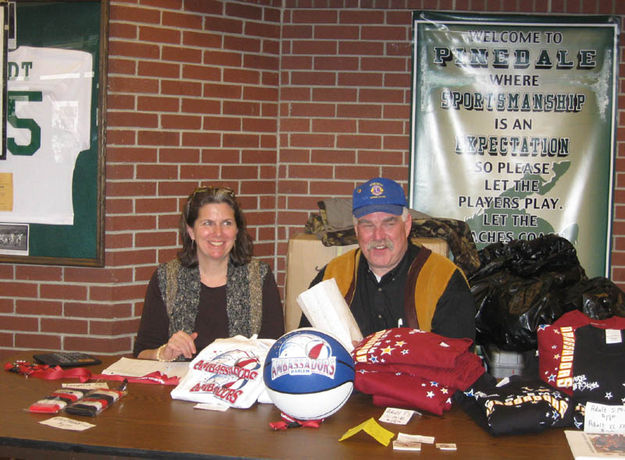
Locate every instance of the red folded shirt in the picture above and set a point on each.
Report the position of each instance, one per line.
(468, 369)
(414, 369)
(407, 391)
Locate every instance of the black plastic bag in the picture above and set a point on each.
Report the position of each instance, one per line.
(524, 284)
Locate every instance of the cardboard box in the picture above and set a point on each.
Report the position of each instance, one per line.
(307, 255)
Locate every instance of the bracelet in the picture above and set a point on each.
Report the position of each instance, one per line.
(158, 353)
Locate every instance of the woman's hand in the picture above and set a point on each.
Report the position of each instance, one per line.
(178, 344)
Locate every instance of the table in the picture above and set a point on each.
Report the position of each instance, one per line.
(148, 423)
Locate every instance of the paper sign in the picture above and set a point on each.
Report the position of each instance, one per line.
(446, 446)
(212, 406)
(65, 423)
(601, 418)
(415, 438)
(86, 385)
(396, 416)
(404, 443)
(6, 192)
(373, 429)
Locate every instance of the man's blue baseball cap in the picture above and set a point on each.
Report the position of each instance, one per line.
(378, 195)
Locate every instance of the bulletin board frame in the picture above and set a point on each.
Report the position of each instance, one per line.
(80, 25)
(4, 36)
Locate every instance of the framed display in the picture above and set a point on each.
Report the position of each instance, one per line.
(52, 165)
(513, 126)
(4, 37)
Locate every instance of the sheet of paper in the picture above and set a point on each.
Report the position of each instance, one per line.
(326, 309)
(129, 367)
(594, 446)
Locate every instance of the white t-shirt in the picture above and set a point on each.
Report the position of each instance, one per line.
(57, 122)
(228, 372)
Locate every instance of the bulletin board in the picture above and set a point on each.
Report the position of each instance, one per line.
(52, 168)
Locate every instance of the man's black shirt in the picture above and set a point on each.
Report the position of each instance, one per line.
(379, 305)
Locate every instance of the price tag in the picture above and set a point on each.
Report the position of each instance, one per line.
(601, 418)
(613, 336)
(396, 416)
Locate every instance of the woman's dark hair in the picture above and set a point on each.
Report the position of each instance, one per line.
(243, 248)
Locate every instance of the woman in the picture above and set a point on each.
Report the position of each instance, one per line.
(213, 289)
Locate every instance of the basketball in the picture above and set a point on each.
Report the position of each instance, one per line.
(309, 375)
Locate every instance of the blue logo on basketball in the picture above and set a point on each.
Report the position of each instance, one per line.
(304, 354)
(309, 374)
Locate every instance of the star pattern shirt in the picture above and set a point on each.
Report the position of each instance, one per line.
(599, 373)
(405, 391)
(402, 345)
(410, 368)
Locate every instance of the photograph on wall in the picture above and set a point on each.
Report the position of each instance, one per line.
(14, 239)
(513, 127)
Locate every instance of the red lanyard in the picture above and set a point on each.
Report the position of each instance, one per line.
(46, 372)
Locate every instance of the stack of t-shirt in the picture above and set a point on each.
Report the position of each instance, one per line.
(584, 357)
(598, 368)
(516, 405)
(557, 344)
(410, 368)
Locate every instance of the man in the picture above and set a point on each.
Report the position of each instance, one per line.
(390, 282)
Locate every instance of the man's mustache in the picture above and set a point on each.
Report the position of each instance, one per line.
(381, 244)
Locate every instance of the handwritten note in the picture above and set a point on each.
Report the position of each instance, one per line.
(397, 416)
(65, 423)
(601, 418)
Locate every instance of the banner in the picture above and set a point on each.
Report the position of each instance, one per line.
(513, 126)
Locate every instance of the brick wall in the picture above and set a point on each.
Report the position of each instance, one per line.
(286, 101)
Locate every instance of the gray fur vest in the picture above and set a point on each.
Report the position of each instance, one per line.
(180, 288)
